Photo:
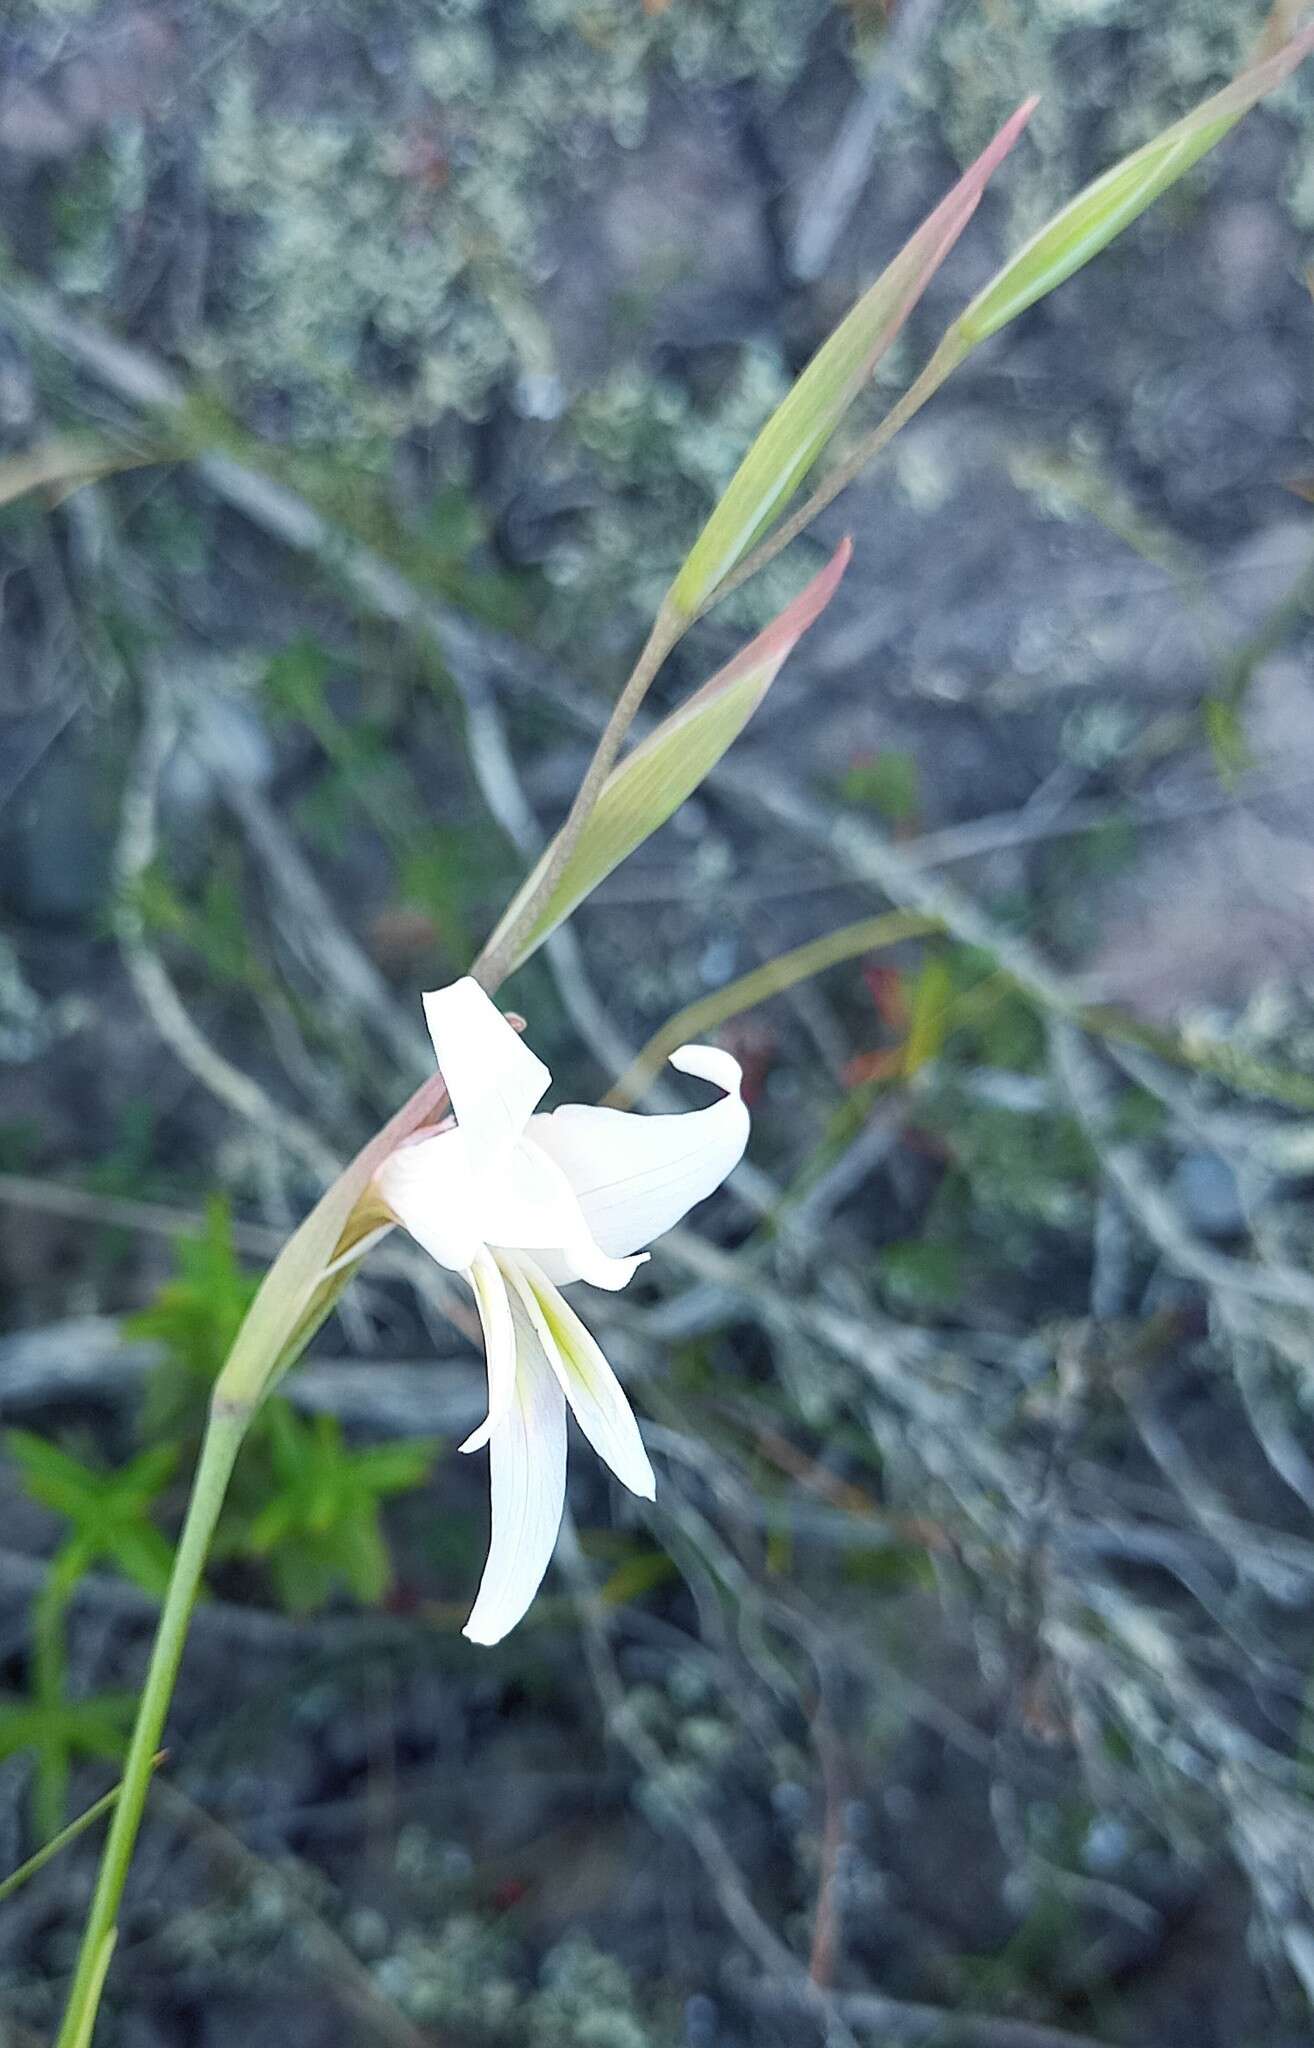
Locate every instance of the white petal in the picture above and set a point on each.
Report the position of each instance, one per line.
(431, 1191)
(527, 1466)
(591, 1387)
(499, 1344)
(495, 1082)
(636, 1176)
(530, 1206)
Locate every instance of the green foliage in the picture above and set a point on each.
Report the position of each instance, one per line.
(650, 783)
(20, 1143)
(368, 775)
(317, 1524)
(788, 446)
(921, 1276)
(304, 1504)
(125, 1163)
(1225, 733)
(889, 784)
(57, 1733)
(993, 1026)
(214, 928)
(194, 1317)
(109, 1511)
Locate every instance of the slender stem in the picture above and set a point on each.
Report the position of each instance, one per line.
(87, 1819)
(497, 959)
(223, 1437)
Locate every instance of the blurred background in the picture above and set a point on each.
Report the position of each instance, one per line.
(366, 369)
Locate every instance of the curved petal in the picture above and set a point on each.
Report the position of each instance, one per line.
(636, 1176)
(588, 1382)
(527, 1468)
(532, 1207)
(495, 1082)
(429, 1188)
(499, 1344)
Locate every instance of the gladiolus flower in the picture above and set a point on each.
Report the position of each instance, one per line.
(523, 1204)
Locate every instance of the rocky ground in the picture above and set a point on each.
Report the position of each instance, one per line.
(956, 1687)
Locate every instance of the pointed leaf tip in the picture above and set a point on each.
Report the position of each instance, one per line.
(798, 430)
(652, 781)
(1102, 209)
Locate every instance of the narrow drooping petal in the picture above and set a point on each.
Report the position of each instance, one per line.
(527, 1464)
(430, 1189)
(636, 1176)
(531, 1206)
(499, 1344)
(591, 1387)
(495, 1082)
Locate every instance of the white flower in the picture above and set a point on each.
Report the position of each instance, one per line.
(522, 1205)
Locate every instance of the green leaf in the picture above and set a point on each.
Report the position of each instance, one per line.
(109, 1510)
(321, 1526)
(362, 1557)
(142, 1555)
(395, 1467)
(797, 432)
(889, 783)
(932, 1000)
(267, 1530)
(1226, 734)
(20, 1727)
(144, 1478)
(921, 1275)
(786, 971)
(1090, 222)
(52, 1477)
(652, 782)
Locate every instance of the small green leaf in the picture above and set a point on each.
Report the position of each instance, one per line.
(638, 1575)
(142, 1555)
(362, 1556)
(1090, 222)
(889, 783)
(652, 782)
(803, 423)
(1226, 735)
(786, 971)
(922, 1275)
(51, 1476)
(320, 1528)
(394, 1468)
(931, 1003)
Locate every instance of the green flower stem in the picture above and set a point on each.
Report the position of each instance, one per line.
(227, 1427)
